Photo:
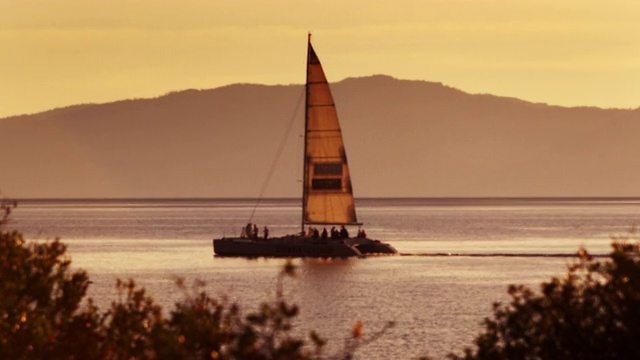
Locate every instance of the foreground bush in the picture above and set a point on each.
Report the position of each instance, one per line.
(43, 316)
(591, 313)
(39, 300)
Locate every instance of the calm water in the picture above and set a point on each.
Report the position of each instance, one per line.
(458, 256)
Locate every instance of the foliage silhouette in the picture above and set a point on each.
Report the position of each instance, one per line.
(42, 315)
(591, 313)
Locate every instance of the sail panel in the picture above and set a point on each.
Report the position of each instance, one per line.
(328, 194)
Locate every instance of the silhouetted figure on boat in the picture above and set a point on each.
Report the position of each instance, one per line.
(362, 233)
(255, 231)
(246, 232)
(266, 232)
(324, 234)
(334, 233)
(344, 234)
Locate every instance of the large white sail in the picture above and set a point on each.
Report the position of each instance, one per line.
(327, 195)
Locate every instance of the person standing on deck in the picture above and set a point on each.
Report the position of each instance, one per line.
(343, 232)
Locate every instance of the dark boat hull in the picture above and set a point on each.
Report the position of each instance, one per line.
(371, 247)
(295, 246)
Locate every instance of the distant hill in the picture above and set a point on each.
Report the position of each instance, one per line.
(404, 138)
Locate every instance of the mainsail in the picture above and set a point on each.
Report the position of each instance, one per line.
(327, 192)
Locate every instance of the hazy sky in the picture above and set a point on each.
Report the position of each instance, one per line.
(55, 53)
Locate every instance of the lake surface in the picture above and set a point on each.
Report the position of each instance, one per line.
(457, 258)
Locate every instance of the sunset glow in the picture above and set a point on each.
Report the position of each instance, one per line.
(64, 52)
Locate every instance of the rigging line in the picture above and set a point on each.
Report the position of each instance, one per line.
(278, 154)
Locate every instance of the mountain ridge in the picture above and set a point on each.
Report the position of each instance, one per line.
(405, 138)
(348, 79)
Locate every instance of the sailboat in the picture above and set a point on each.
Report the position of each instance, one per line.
(327, 194)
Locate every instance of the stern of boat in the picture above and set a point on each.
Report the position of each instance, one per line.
(372, 247)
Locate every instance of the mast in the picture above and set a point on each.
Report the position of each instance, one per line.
(306, 125)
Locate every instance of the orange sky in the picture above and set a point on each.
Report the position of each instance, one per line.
(55, 53)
